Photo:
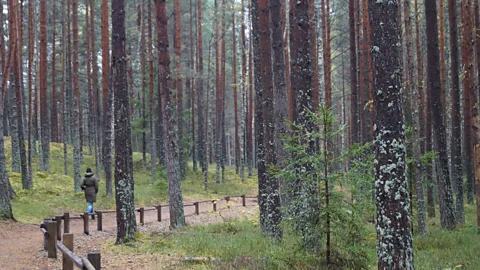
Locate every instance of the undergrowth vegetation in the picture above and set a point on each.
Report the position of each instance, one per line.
(53, 193)
(238, 244)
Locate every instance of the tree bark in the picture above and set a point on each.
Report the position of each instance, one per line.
(354, 125)
(45, 132)
(447, 212)
(412, 92)
(175, 198)
(76, 106)
(456, 145)
(107, 102)
(178, 57)
(202, 150)
(394, 237)
(124, 184)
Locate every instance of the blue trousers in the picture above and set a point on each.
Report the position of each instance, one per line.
(90, 208)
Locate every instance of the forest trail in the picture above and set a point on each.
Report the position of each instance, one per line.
(21, 245)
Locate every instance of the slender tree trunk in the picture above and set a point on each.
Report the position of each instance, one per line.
(269, 201)
(96, 93)
(456, 145)
(175, 198)
(14, 35)
(475, 116)
(76, 105)
(447, 212)
(124, 184)
(223, 148)
(412, 89)
(202, 151)
(29, 79)
(153, 147)
(107, 102)
(193, 90)
(238, 153)
(218, 103)
(354, 127)
(250, 156)
(394, 244)
(45, 134)
(280, 113)
(178, 57)
(54, 112)
(5, 187)
(468, 89)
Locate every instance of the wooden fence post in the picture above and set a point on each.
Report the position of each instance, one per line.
(244, 203)
(95, 258)
(66, 222)
(85, 223)
(142, 215)
(159, 212)
(45, 236)
(58, 219)
(214, 205)
(52, 238)
(100, 221)
(197, 208)
(67, 263)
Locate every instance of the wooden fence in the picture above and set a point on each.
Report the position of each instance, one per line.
(52, 231)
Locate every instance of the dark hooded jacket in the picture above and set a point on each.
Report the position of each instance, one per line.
(90, 186)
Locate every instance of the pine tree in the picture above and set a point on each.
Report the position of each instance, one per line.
(447, 212)
(394, 238)
(170, 140)
(124, 185)
(456, 145)
(76, 131)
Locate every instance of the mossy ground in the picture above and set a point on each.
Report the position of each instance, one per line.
(53, 193)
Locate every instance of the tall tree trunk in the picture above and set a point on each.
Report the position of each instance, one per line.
(202, 150)
(178, 57)
(153, 147)
(354, 127)
(5, 195)
(411, 94)
(475, 116)
(96, 93)
(76, 105)
(244, 93)
(223, 149)
(107, 102)
(269, 201)
(124, 184)
(14, 35)
(67, 86)
(456, 145)
(45, 134)
(249, 154)
(447, 212)
(144, 81)
(175, 198)
(280, 110)
(29, 79)
(468, 89)
(193, 86)
(235, 98)
(218, 103)
(54, 112)
(394, 237)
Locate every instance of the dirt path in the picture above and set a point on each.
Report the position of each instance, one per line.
(21, 245)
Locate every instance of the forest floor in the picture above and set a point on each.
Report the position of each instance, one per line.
(21, 245)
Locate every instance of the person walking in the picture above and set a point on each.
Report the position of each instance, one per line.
(90, 187)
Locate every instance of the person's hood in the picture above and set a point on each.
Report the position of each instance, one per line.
(90, 174)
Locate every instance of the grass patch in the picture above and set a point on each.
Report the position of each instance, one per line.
(240, 245)
(53, 193)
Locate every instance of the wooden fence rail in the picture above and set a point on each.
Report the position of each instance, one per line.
(69, 259)
(51, 228)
